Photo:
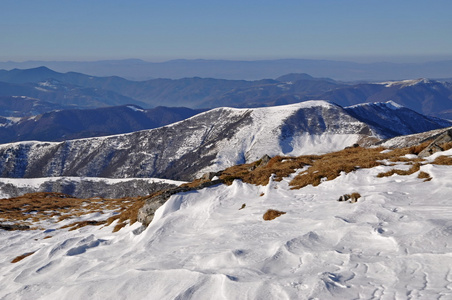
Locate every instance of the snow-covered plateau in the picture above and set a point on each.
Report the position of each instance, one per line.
(394, 243)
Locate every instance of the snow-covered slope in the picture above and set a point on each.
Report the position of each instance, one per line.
(390, 119)
(84, 187)
(209, 141)
(394, 243)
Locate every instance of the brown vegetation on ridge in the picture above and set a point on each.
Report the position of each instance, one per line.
(31, 208)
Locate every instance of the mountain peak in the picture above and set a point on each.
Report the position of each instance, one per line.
(388, 104)
(29, 75)
(410, 82)
(294, 77)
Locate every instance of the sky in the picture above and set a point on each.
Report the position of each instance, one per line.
(236, 30)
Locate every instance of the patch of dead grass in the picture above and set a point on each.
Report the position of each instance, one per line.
(414, 168)
(35, 207)
(424, 175)
(252, 173)
(272, 214)
(20, 257)
(443, 160)
(331, 165)
(321, 167)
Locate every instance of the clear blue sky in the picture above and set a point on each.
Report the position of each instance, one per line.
(171, 29)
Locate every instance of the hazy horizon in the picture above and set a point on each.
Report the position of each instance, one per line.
(158, 31)
(356, 59)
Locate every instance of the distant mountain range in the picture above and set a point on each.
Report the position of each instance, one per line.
(136, 69)
(77, 123)
(76, 90)
(63, 94)
(213, 140)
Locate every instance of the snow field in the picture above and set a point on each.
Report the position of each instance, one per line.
(394, 243)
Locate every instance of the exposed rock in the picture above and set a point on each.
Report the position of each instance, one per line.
(209, 176)
(435, 146)
(11, 227)
(146, 213)
(262, 162)
(352, 198)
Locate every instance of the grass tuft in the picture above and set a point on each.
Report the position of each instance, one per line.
(20, 257)
(424, 175)
(416, 167)
(272, 214)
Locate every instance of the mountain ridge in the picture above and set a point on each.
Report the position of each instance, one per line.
(209, 141)
(250, 70)
(428, 97)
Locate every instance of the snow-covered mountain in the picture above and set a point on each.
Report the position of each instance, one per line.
(209, 141)
(429, 97)
(391, 119)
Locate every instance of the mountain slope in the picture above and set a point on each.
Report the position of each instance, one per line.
(392, 119)
(209, 141)
(189, 92)
(23, 106)
(76, 123)
(65, 95)
(425, 96)
(428, 97)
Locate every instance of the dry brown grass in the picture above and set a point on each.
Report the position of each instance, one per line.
(321, 167)
(424, 175)
(20, 257)
(443, 160)
(446, 146)
(35, 207)
(280, 166)
(414, 168)
(272, 214)
(355, 195)
(330, 166)
(127, 215)
(418, 148)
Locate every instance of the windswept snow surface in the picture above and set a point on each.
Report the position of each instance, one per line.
(394, 243)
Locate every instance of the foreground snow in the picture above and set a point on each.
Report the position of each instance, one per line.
(395, 243)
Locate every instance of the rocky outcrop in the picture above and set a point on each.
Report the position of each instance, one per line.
(437, 144)
(146, 213)
(86, 187)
